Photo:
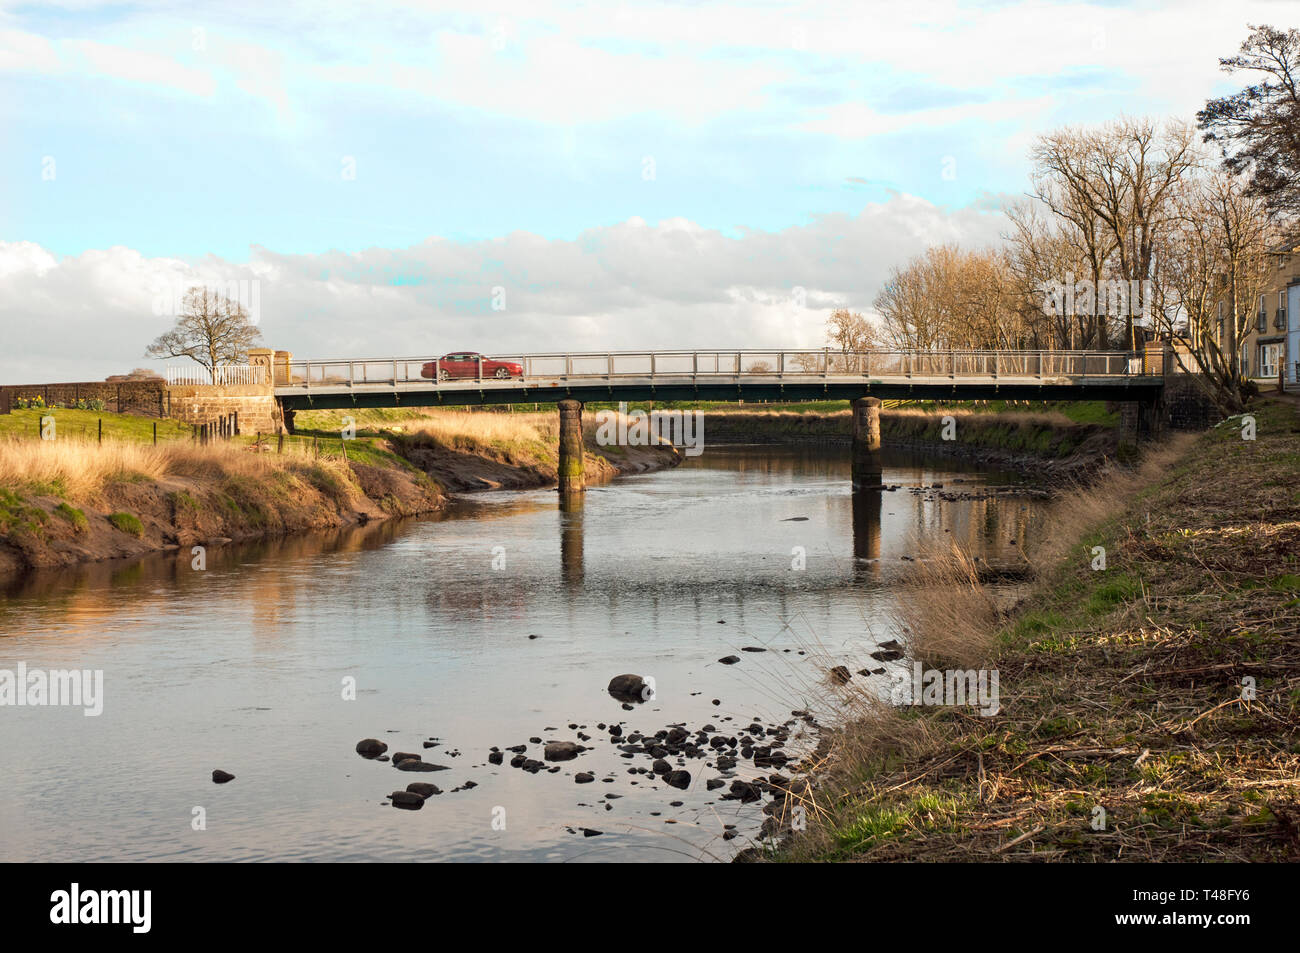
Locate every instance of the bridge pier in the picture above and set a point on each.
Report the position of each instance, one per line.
(867, 465)
(572, 479)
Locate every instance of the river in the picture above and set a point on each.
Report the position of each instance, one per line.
(499, 621)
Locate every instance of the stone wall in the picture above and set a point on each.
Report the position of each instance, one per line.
(255, 404)
(144, 398)
(1188, 405)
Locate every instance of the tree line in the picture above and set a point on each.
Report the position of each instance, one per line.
(1132, 229)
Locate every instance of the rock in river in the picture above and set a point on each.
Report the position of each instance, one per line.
(407, 800)
(371, 748)
(221, 777)
(415, 764)
(562, 751)
(629, 688)
(678, 779)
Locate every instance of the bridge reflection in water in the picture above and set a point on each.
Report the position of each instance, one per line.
(867, 511)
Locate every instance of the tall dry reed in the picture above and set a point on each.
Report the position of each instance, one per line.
(79, 469)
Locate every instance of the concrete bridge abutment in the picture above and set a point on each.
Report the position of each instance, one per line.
(867, 465)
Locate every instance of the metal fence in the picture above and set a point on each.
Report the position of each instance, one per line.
(228, 375)
(714, 365)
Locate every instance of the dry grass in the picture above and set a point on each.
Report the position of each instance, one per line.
(79, 470)
(1084, 508)
(1123, 733)
(1051, 418)
(463, 430)
(948, 618)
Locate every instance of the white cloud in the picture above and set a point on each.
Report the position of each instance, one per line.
(142, 66)
(675, 284)
(860, 121)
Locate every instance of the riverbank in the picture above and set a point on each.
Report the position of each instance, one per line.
(1148, 704)
(75, 499)
(1046, 444)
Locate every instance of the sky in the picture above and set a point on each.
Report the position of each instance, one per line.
(406, 179)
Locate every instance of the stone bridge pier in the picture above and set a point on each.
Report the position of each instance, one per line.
(867, 465)
(572, 479)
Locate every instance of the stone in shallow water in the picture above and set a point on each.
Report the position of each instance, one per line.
(562, 751)
(407, 800)
(678, 779)
(371, 747)
(221, 777)
(628, 688)
(415, 765)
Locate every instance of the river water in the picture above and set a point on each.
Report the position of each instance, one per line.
(502, 620)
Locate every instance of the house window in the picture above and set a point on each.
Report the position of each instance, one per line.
(1270, 355)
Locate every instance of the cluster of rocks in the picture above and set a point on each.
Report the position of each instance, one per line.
(936, 491)
(676, 755)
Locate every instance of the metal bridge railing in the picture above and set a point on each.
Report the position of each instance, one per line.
(684, 366)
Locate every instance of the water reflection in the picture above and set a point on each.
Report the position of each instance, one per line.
(571, 512)
(867, 506)
(239, 666)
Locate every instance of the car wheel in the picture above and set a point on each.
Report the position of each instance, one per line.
(502, 373)
(443, 375)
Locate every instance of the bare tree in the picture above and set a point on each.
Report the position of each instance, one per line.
(1114, 186)
(1214, 267)
(211, 329)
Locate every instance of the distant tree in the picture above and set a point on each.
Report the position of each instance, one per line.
(136, 374)
(849, 331)
(211, 329)
(1258, 128)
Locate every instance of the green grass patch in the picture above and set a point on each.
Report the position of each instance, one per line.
(84, 424)
(127, 523)
(74, 516)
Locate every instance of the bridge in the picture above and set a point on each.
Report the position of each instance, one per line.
(719, 375)
(863, 377)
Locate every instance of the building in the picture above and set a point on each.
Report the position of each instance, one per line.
(1272, 344)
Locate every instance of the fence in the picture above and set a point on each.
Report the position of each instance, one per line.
(146, 398)
(697, 365)
(228, 375)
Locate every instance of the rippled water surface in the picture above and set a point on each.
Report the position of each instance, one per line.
(243, 666)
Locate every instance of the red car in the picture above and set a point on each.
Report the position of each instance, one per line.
(466, 364)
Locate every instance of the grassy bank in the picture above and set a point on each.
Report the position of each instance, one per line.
(1030, 436)
(468, 450)
(1149, 710)
(77, 498)
(71, 500)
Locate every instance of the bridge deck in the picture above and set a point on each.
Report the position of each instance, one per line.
(725, 375)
